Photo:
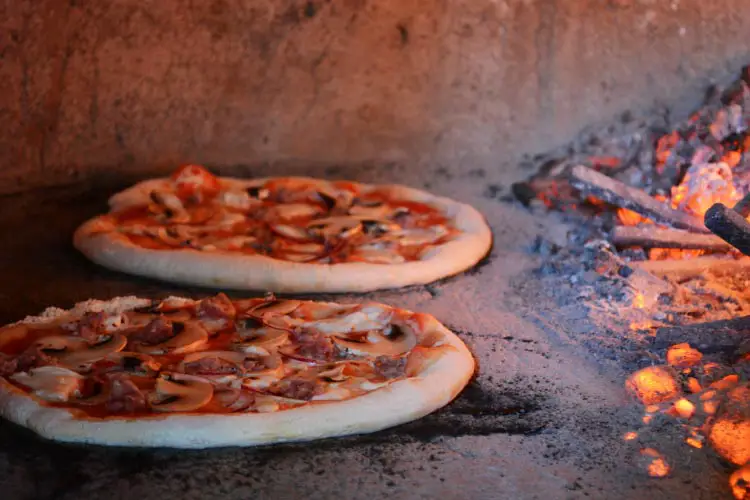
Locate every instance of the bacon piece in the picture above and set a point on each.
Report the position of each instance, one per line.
(33, 358)
(8, 365)
(211, 366)
(90, 324)
(157, 331)
(124, 396)
(390, 367)
(219, 307)
(314, 346)
(295, 389)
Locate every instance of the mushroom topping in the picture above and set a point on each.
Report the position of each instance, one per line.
(334, 201)
(187, 337)
(180, 392)
(335, 227)
(293, 211)
(377, 344)
(51, 383)
(77, 353)
(375, 210)
(229, 243)
(364, 318)
(422, 236)
(275, 307)
(168, 206)
(237, 199)
(257, 193)
(174, 235)
(265, 337)
(134, 363)
(292, 232)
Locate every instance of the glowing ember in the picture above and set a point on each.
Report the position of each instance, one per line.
(704, 185)
(639, 301)
(710, 407)
(694, 442)
(657, 466)
(683, 356)
(629, 218)
(654, 384)
(693, 385)
(629, 436)
(726, 383)
(684, 408)
(731, 439)
(739, 481)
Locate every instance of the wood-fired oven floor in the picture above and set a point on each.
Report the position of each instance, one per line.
(543, 419)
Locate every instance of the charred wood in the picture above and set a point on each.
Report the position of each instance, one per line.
(713, 336)
(616, 193)
(656, 237)
(686, 268)
(730, 226)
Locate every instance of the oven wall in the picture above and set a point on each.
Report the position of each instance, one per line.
(91, 88)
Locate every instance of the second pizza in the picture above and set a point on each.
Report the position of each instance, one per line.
(285, 234)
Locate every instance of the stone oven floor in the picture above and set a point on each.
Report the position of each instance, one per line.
(543, 419)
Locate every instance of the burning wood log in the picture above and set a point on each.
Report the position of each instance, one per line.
(616, 193)
(731, 224)
(713, 336)
(686, 268)
(656, 237)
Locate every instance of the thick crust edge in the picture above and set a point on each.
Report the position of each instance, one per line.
(252, 272)
(400, 402)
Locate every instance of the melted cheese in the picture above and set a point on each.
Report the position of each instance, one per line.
(51, 383)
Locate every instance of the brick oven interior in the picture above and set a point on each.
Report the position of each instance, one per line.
(468, 99)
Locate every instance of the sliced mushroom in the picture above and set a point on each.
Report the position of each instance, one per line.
(135, 363)
(378, 344)
(293, 211)
(180, 392)
(237, 199)
(230, 243)
(192, 338)
(257, 192)
(292, 232)
(335, 201)
(77, 353)
(168, 206)
(342, 227)
(274, 307)
(366, 317)
(333, 392)
(420, 236)
(376, 210)
(310, 310)
(51, 383)
(173, 235)
(266, 338)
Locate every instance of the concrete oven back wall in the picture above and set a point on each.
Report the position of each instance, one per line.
(93, 88)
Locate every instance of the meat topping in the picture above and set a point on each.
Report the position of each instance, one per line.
(219, 307)
(390, 367)
(124, 396)
(33, 358)
(211, 366)
(317, 347)
(90, 325)
(157, 331)
(8, 365)
(296, 389)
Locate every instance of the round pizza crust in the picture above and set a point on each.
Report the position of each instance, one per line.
(440, 381)
(227, 270)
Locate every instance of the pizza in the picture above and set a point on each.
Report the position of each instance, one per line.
(190, 373)
(283, 234)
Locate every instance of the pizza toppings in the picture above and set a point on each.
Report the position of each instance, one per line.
(297, 220)
(215, 355)
(124, 396)
(51, 383)
(78, 353)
